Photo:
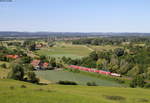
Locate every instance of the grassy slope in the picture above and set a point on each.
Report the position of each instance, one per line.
(68, 50)
(68, 94)
(55, 76)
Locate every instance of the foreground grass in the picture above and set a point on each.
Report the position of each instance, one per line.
(12, 91)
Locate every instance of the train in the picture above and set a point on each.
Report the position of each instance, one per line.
(94, 70)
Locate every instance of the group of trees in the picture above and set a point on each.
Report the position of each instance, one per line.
(132, 63)
(19, 72)
(117, 40)
(20, 67)
(6, 51)
(30, 44)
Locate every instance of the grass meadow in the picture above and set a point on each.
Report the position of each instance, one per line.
(55, 76)
(63, 49)
(12, 91)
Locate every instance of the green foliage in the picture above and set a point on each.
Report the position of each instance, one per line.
(3, 65)
(93, 55)
(31, 77)
(28, 67)
(74, 70)
(67, 82)
(53, 62)
(91, 84)
(26, 59)
(17, 72)
(119, 52)
(30, 45)
(136, 70)
(23, 86)
(102, 64)
(137, 81)
(43, 58)
(147, 85)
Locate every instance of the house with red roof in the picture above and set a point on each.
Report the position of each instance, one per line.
(12, 56)
(45, 65)
(38, 65)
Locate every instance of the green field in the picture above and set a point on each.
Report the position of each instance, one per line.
(55, 76)
(11, 91)
(63, 49)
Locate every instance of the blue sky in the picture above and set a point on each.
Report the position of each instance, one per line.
(75, 15)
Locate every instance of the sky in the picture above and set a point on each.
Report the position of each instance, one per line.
(75, 15)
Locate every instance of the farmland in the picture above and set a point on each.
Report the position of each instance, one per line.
(55, 76)
(64, 49)
(20, 92)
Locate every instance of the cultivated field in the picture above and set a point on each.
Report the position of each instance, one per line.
(63, 49)
(55, 76)
(12, 91)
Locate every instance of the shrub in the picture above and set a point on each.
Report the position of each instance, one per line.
(120, 81)
(147, 85)
(3, 65)
(32, 77)
(75, 70)
(67, 82)
(143, 100)
(12, 87)
(116, 98)
(23, 86)
(40, 89)
(17, 72)
(119, 51)
(91, 84)
(26, 59)
(137, 81)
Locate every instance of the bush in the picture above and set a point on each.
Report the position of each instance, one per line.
(143, 100)
(119, 51)
(12, 87)
(147, 85)
(3, 65)
(120, 81)
(91, 84)
(75, 70)
(31, 77)
(23, 86)
(67, 83)
(116, 98)
(137, 81)
(17, 72)
(26, 59)
(40, 89)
